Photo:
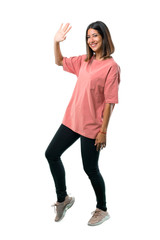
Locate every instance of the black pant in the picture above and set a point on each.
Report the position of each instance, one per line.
(63, 139)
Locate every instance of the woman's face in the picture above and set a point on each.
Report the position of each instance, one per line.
(94, 40)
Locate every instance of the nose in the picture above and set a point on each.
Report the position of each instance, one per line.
(91, 40)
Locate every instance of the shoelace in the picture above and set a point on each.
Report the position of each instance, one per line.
(54, 205)
(96, 213)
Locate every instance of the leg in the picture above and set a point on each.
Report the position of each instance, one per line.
(90, 164)
(62, 140)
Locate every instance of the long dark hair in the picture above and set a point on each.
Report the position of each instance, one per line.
(107, 44)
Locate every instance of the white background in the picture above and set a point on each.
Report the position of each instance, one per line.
(34, 93)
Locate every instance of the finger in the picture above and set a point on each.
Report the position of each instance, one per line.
(98, 146)
(65, 27)
(102, 146)
(61, 26)
(68, 29)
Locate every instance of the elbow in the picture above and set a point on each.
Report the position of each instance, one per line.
(112, 104)
(59, 63)
(112, 107)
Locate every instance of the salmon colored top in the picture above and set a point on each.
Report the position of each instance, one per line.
(97, 83)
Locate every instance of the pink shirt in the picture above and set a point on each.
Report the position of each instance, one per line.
(97, 84)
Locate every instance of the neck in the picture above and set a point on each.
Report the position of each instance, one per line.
(98, 56)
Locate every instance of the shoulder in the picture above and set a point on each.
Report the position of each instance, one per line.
(80, 58)
(83, 56)
(113, 64)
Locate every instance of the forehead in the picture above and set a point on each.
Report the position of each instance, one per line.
(92, 31)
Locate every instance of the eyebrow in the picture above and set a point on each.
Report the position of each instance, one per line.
(91, 34)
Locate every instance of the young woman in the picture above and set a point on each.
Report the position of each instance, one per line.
(87, 114)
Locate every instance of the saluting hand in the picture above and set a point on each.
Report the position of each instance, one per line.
(100, 141)
(60, 35)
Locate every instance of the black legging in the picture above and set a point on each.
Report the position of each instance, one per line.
(63, 139)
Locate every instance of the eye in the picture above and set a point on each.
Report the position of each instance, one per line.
(94, 35)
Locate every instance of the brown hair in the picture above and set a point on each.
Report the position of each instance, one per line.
(107, 44)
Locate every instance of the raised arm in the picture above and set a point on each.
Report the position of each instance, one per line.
(59, 37)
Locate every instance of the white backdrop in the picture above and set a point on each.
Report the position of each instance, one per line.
(34, 94)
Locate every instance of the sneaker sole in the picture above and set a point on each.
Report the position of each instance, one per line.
(69, 205)
(98, 223)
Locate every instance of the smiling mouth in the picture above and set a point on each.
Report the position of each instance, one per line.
(93, 45)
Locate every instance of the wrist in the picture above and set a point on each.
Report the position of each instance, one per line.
(55, 41)
(104, 132)
(103, 129)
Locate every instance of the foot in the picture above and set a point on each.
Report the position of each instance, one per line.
(99, 216)
(62, 207)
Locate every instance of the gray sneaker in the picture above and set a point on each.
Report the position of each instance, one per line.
(62, 207)
(98, 217)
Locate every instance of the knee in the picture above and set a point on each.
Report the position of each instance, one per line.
(91, 172)
(47, 154)
(50, 156)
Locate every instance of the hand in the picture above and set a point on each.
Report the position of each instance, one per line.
(60, 35)
(100, 141)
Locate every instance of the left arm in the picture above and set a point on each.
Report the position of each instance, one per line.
(101, 137)
(106, 116)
